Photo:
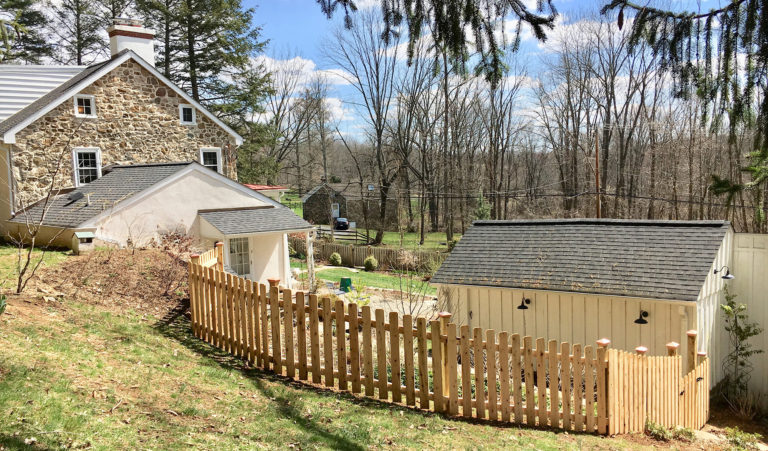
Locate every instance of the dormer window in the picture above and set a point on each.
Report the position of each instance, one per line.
(187, 114)
(210, 157)
(87, 164)
(85, 106)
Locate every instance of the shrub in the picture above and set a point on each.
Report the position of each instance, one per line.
(741, 440)
(451, 244)
(2, 303)
(657, 431)
(370, 263)
(335, 259)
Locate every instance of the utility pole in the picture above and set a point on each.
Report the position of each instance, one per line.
(597, 177)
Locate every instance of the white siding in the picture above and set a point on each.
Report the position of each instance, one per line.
(750, 266)
(572, 317)
(22, 85)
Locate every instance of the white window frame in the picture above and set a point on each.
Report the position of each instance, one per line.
(77, 150)
(230, 263)
(219, 167)
(93, 105)
(181, 114)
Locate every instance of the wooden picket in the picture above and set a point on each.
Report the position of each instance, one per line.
(441, 367)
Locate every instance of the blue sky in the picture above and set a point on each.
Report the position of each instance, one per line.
(299, 28)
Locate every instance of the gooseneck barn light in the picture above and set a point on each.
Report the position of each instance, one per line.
(642, 318)
(524, 304)
(727, 275)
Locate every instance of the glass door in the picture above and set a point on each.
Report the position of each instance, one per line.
(239, 256)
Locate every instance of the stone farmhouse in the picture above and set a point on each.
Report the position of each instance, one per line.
(127, 156)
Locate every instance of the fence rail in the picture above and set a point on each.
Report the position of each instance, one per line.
(387, 257)
(436, 365)
(347, 236)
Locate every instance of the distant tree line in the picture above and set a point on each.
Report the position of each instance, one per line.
(604, 123)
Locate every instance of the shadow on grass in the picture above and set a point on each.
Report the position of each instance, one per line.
(11, 442)
(176, 325)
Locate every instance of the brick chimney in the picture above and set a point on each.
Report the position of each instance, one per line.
(131, 34)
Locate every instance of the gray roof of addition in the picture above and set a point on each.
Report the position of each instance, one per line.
(241, 221)
(69, 210)
(646, 259)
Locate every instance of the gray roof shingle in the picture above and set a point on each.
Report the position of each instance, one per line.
(238, 221)
(646, 259)
(117, 185)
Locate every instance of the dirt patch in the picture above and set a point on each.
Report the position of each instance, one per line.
(151, 281)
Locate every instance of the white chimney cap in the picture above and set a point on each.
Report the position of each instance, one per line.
(131, 34)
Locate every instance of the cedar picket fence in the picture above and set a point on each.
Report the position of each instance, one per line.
(439, 366)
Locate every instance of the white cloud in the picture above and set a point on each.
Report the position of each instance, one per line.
(304, 69)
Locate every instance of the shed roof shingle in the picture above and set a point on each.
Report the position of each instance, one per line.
(646, 259)
(239, 221)
(69, 210)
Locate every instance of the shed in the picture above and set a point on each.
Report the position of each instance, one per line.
(638, 283)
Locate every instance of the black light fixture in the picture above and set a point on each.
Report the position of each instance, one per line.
(727, 275)
(524, 304)
(642, 318)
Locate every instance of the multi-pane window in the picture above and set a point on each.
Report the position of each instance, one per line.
(87, 164)
(85, 106)
(187, 114)
(238, 256)
(211, 158)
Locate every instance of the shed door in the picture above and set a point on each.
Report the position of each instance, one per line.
(335, 210)
(239, 256)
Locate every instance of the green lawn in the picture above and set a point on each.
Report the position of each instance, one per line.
(293, 201)
(378, 280)
(432, 240)
(83, 377)
(9, 260)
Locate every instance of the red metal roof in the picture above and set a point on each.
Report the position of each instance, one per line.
(264, 187)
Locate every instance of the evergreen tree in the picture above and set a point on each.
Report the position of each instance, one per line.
(217, 43)
(162, 16)
(23, 37)
(79, 31)
(459, 25)
(701, 51)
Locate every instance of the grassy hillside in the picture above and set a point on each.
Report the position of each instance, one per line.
(102, 367)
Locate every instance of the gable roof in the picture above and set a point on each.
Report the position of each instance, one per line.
(41, 106)
(645, 259)
(71, 209)
(21, 85)
(242, 221)
(118, 188)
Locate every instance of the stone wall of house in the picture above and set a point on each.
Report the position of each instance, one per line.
(137, 122)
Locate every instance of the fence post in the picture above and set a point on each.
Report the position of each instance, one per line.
(445, 318)
(603, 392)
(691, 357)
(194, 295)
(220, 256)
(672, 347)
